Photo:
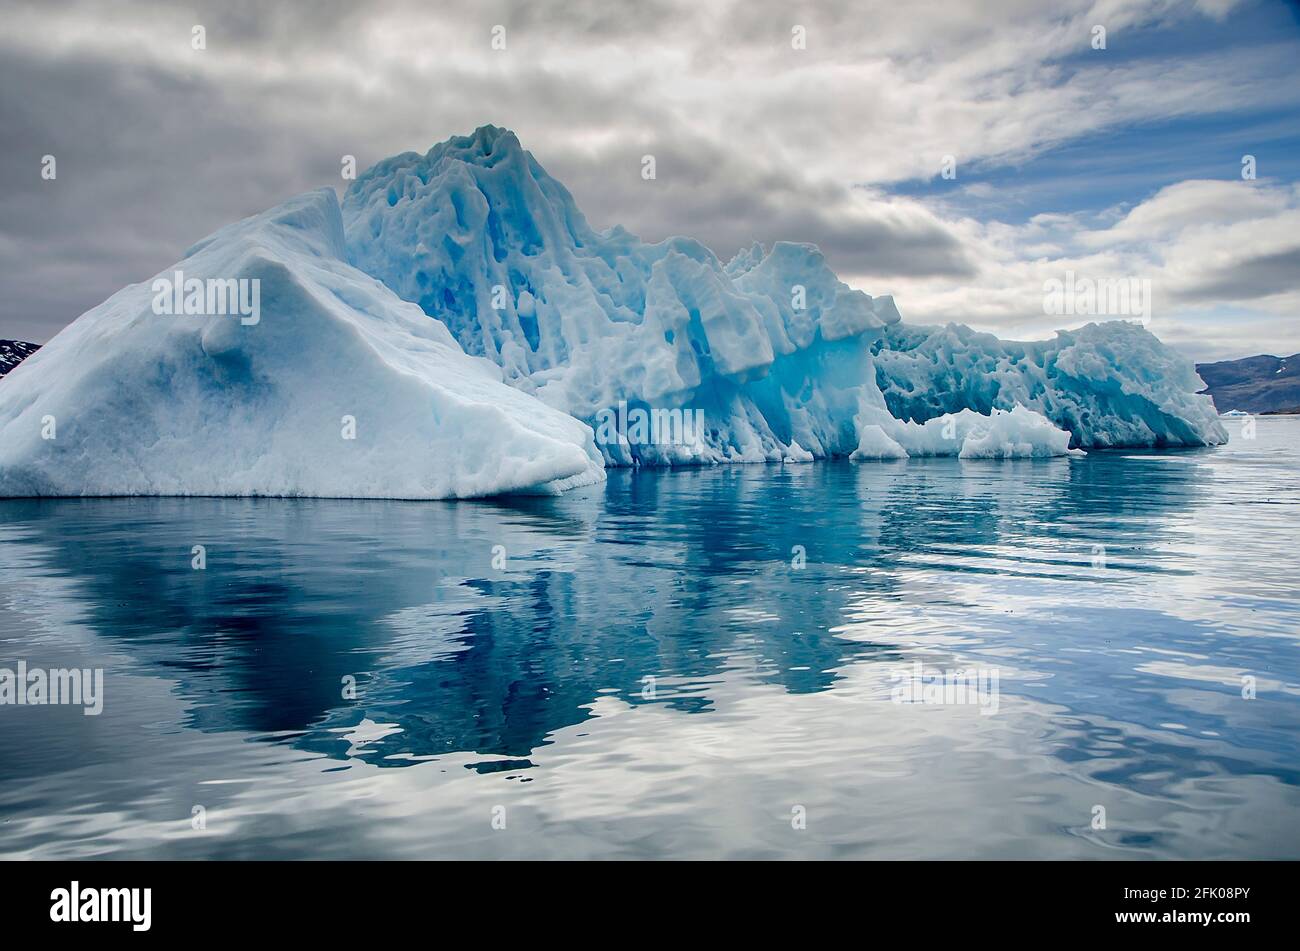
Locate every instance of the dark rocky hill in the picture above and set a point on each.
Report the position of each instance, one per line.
(14, 352)
(1263, 384)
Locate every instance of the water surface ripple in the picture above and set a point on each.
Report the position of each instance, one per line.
(674, 664)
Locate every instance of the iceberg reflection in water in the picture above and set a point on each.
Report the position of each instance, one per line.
(674, 663)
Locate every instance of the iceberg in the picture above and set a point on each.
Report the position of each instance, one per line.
(781, 358)
(335, 388)
(455, 328)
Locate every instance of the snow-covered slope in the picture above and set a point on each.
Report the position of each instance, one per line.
(337, 388)
(779, 359)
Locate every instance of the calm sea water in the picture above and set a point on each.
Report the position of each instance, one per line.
(688, 663)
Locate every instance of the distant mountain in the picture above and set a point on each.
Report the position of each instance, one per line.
(14, 352)
(1263, 384)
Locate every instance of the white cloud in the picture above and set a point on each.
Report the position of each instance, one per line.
(1223, 259)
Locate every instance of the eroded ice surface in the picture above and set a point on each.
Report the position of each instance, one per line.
(1111, 385)
(484, 240)
(783, 359)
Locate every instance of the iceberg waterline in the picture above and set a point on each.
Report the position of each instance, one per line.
(544, 332)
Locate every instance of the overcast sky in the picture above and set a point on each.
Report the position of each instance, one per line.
(1116, 162)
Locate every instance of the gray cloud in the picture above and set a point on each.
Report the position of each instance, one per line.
(158, 145)
(153, 154)
(1254, 277)
(704, 192)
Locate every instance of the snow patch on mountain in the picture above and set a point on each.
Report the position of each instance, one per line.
(14, 352)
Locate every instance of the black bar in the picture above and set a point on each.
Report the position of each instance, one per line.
(950, 899)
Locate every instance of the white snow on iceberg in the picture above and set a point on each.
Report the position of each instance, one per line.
(338, 389)
(780, 357)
